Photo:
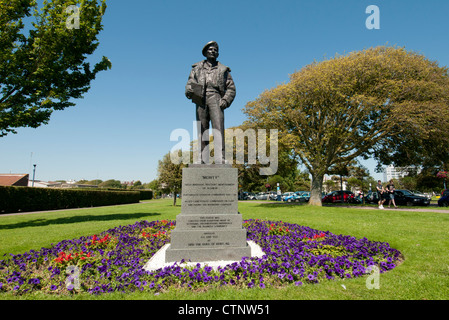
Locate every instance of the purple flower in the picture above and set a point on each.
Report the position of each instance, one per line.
(286, 257)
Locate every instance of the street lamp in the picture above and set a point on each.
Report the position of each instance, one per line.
(34, 172)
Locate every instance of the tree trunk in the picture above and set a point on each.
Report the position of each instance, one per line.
(174, 198)
(317, 188)
(341, 189)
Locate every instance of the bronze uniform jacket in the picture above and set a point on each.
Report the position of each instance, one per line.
(226, 85)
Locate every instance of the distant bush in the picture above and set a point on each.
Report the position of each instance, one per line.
(23, 199)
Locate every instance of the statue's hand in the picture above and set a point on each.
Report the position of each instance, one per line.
(189, 93)
(223, 104)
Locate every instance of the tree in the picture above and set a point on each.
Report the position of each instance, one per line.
(301, 181)
(40, 72)
(111, 183)
(94, 182)
(137, 185)
(170, 175)
(428, 181)
(408, 182)
(337, 110)
(155, 186)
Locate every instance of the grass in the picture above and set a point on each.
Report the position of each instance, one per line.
(422, 237)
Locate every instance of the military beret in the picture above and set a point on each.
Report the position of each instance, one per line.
(207, 45)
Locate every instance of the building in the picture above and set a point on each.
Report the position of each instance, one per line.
(335, 181)
(44, 184)
(58, 184)
(17, 180)
(397, 173)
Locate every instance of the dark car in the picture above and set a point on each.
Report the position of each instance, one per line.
(371, 197)
(335, 197)
(408, 198)
(246, 196)
(444, 199)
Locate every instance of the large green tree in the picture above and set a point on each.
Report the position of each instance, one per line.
(43, 61)
(354, 105)
(170, 175)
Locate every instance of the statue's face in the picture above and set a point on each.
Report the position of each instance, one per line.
(212, 52)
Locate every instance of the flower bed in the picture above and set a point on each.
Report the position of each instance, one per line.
(114, 260)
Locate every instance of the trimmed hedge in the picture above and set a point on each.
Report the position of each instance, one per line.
(23, 199)
(144, 194)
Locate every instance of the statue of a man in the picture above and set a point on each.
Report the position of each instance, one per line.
(212, 89)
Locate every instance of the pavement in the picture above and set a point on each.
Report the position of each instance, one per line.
(430, 208)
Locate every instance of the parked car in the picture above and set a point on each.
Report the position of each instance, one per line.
(335, 197)
(286, 194)
(355, 199)
(247, 195)
(273, 195)
(262, 196)
(406, 197)
(294, 197)
(419, 193)
(443, 201)
(371, 197)
(304, 197)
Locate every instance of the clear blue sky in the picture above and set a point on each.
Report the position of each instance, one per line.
(122, 127)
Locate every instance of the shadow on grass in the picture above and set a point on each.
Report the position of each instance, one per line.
(77, 219)
(280, 204)
(305, 204)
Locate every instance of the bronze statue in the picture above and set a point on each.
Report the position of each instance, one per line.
(212, 89)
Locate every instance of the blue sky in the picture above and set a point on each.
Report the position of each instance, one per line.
(122, 126)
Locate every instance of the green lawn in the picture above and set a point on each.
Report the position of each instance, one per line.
(422, 237)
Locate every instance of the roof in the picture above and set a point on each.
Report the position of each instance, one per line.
(13, 179)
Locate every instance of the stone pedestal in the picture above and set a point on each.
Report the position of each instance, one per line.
(209, 227)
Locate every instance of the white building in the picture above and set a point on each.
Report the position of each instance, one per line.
(336, 180)
(392, 172)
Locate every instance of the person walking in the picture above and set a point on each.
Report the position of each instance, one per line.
(390, 191)
(380, 194)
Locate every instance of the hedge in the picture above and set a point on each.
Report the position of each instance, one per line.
(23, 199)
(144, 194)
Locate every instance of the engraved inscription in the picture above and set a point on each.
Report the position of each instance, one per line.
(207, 222)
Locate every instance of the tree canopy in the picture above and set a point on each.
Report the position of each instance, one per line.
(381, 102)
(43, 63)
(170, 175)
